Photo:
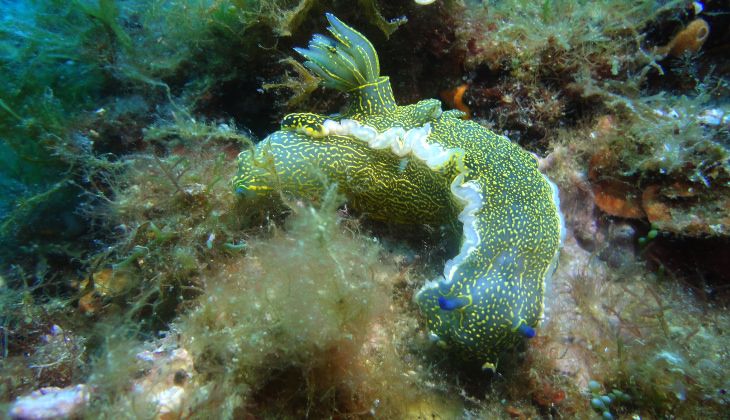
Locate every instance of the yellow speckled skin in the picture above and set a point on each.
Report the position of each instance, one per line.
(500, 283)
(519, 227)
(304, 163)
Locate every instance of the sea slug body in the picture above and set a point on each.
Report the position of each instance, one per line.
(419, 164)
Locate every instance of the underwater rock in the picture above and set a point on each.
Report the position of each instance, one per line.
(166, 384)
(100, 288)
(673, 205)
(434, 407)
(620, 249)
(714, 117)
(687, 209)
(613, 194)
(564, 318)
(50, 403)
(669, 167)
(618, 198)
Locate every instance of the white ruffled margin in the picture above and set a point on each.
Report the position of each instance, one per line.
(415, 142)
(556, 257)
(400, 141)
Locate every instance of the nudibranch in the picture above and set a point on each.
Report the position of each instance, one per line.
(419, 164)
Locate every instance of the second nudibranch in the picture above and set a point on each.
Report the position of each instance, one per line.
(419, 164)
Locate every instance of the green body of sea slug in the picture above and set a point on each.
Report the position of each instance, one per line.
(419, 164)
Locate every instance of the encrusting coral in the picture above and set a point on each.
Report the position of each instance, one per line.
(415, 163)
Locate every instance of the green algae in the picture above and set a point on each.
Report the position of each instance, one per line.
(150, 203)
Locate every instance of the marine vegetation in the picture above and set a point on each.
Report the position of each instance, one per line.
(136, 283)
(416, 163)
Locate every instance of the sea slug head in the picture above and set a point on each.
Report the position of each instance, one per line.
(474, 318)
(254, 178)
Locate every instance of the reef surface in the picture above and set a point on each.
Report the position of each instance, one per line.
(200, 217)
